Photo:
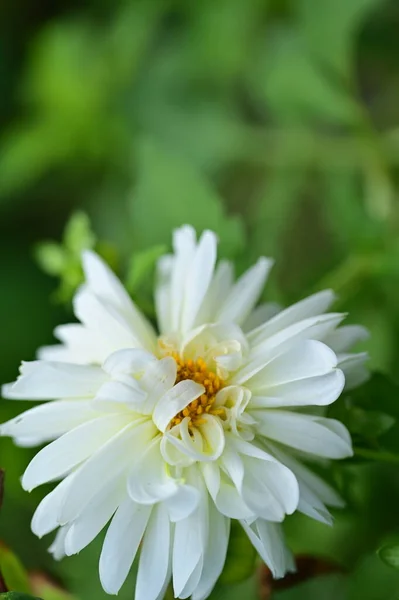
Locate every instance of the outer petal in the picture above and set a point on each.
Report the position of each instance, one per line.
(215, 554)
(113, 459)
(45, 518)
(50, 420)
(104, 283)
(94, 517)
(268, 540)
(42, 380)
(245, 293)
(59, 457)
(315, 435)
(189, 544)
(199, 277)
(312, 306)
(153, 570)
(121, 544)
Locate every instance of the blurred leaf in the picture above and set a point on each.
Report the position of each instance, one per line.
(17, 596)
(51, 257)
(328, 587)
(1, 487)
(374, 580)
(241, 557)
(369, 424)
(294, 87)
(331, 26)
(78, 235)
(65, 260)
(12, 570)
(170, 192)
(221, 35)
(141, 266)
(390, 555)
(47, 589)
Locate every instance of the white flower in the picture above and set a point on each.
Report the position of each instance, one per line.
(172, 436)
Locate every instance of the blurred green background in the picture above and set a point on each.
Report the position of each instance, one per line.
(276, 123)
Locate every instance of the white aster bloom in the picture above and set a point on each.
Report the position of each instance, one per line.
(171, 436)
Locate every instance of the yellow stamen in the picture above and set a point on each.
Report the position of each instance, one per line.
(197, 370)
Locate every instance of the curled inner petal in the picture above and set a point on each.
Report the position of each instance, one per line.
(197, 370)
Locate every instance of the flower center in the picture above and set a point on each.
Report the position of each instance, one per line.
(197, 371)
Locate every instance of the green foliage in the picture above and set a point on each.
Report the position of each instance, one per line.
(12, 570)
(17, 596)
(390, 555)
(170, 192)
(64, 260)
(241, 556)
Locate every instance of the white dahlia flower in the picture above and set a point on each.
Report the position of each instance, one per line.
(171, 436)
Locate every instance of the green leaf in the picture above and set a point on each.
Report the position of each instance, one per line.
(12, 570)
(330, 27)
(390, 555)
(141, 266)
(78, 234)
(51, 257)
(241, 557)
(17, 596)
(47, 589)
(169, 193)
(294, 87)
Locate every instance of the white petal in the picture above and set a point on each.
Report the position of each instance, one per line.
(215, 555)
(312, 306)
(111, 460)
(162, 293)
(213, 436)
(149, 480)
(269, 489)
(260, 315)
(224, 494)
(268, 540)
(184, 241)
(121, 544)
(218, 289)
(313, 391)
(198, 278)
(128, 362)
(314, 328)
(106, 320)
(174, 401)
(203, 443)
(49, 420)
(304, 359)
(183, 503)
(45, 518)
(57, 548)
(65, 453)
(345, 337)
(114, 393)
(315, 435)
(189, 546)
(79, 345)
(105, 285)
(94, 517)
(159, 377)
(353, 365)
(154, 557)
(245, 293)
(42, 380)
(303, 375)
